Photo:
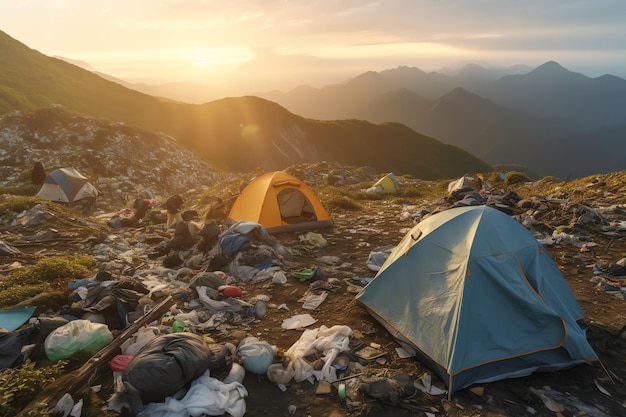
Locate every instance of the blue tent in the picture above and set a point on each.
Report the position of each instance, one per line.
(478, 299)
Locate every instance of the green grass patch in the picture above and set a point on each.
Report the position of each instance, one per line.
(342, 203)
(24, 190)
(516, 177)
(19, 386)
(10, 205)
(49, 275)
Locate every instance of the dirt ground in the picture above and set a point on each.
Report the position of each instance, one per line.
(580, 387)
(586, 390)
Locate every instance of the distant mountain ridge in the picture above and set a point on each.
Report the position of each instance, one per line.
(237, 134)
(546, 118)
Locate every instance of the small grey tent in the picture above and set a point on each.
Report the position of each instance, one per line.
(66, 185)
(477, 298)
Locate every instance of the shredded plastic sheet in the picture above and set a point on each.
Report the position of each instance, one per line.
(313, 239)
(206, 396)
(13, 319)
(327, 341)
(314, 301)
(378, 257)
(298, 321)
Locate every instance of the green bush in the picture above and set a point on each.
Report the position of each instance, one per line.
(342, 203)
(12, 205)
(24, 190)
(12, 293)
(54, 268)
(516, 177)
(19, 386)
(411, 191)
(406, 200)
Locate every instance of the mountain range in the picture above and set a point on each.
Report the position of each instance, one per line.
(235, 134)
(547, 120)
(554, 121)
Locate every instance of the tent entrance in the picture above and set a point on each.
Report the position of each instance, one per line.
(294, 206)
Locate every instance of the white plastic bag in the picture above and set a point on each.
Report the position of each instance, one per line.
(298, 321)
(76, 336)
(141, 338)
(206, 395)
(314, 301)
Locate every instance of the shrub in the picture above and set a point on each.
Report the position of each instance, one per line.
(19, 386)
(412, 191)
(405, 200)
(24, 190)
(12, 205)
(342, 203)
(516, 177)
(15, 293)
(54, 268)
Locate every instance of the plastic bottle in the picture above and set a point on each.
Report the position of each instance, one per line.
(118, 364)
(260, 308)
(341, 391)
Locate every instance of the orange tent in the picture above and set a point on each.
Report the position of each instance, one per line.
(280, 203)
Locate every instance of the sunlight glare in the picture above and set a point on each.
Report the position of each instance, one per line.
(249, 130)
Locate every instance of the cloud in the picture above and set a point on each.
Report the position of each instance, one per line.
(317, 36)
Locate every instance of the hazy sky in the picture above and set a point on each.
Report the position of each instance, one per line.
(265, 44)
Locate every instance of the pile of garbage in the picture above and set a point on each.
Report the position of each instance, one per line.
(180, 340)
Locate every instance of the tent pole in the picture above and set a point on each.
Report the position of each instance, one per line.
(606, 371)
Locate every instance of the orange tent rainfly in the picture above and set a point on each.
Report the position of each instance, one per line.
(280, 203)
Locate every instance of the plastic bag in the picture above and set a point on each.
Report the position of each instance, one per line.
(378, 257)
(279, 374)
(206, 396)
(76, 336)
(313, 301)
(141, 338)
(165, 365)
(255, 355)
(314, 239)
(279, 278)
